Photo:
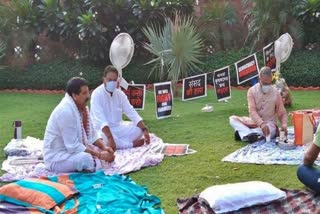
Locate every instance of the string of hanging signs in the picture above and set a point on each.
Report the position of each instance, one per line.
(195, 87)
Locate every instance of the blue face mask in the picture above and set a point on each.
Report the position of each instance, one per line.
(110, 86)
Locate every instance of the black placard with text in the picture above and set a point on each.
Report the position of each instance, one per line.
(269, 56)
(221, 81)
(194, 87)
(136, 95)
(164, 99)
(247, 69)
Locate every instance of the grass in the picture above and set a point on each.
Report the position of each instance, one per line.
(176, 177)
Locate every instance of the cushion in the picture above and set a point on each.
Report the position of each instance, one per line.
(41, 193)
(231, 197)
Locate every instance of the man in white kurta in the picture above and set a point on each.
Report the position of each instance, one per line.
(108, 103)
(70, 140)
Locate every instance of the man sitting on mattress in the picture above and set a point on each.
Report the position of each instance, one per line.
(70, 142)
(265, 106)
(107, 106)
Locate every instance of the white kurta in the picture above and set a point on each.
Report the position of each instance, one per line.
(64, 138)
(107, 110)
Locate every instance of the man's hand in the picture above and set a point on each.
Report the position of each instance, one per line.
(285, 129)
(145, 131)
(265, 129)
(108, 149)
(146, 136)
(107, 156)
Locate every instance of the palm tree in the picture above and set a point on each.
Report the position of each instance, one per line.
(308, 11)
(268, 19)
(218, 17)
(177, 47)
(2, 52)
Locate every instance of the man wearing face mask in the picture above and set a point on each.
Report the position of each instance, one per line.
(108, 103)
(70, 142)
(265, 107)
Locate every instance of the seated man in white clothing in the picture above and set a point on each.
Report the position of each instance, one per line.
(265, 107)
(70, 142)
(108, 103)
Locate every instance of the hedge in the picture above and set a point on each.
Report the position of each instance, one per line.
(301, 69)
(49, 76)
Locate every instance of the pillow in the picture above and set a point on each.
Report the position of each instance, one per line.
(41, 193)
(231, 197)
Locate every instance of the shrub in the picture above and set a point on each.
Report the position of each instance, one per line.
(49, 76)
(54, 75)
(302, 69)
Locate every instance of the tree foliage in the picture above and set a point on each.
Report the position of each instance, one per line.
(176, 46)
(220, 19)
(268, 19)
(89, 25)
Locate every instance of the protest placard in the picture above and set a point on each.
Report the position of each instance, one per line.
(269, 57)
(194, 87)
(247, 69)
(136, 95)
(163, 99)
(221, 81)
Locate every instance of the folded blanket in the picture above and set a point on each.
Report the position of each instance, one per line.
(29, 146)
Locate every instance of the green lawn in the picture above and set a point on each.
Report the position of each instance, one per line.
(208, 133)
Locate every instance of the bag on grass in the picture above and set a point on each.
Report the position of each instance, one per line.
(304, 124)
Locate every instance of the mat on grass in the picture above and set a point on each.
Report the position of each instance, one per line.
(297, 201)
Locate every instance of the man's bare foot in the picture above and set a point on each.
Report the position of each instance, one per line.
(139, 142)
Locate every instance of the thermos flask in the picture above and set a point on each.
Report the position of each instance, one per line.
(17, 129)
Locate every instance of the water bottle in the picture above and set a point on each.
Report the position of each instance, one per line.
(17, 129)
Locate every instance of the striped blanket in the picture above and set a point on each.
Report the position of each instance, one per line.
(297, 201)
(98, 194)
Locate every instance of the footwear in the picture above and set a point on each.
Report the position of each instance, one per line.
(254, 137)
(237, 136)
